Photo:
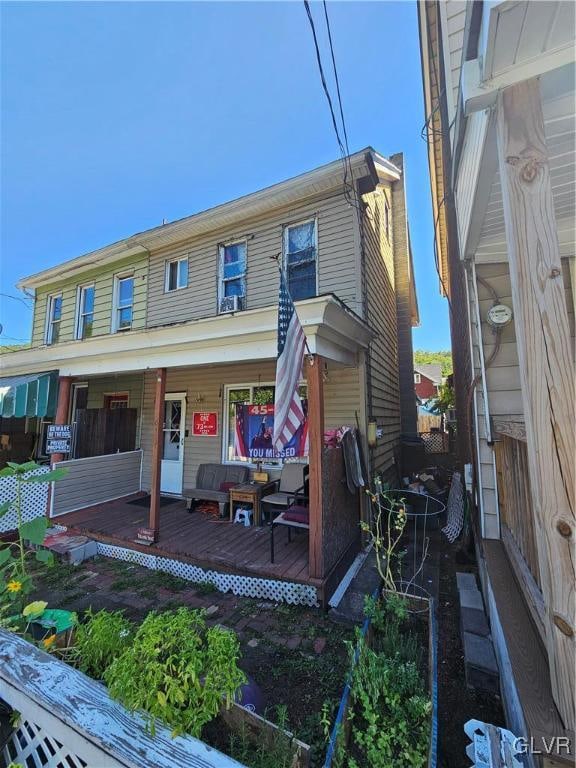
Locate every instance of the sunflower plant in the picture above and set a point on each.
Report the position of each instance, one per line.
(15, 576)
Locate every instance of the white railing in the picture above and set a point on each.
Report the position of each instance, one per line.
(68, 719)
(34, 499)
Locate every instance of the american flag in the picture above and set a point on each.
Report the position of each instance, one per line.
(288, 414)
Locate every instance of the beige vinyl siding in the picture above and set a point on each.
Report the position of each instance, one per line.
(96, 479)
(342, 393)
(381, 317)
(103, 281)
(106, 385)
(336, 265)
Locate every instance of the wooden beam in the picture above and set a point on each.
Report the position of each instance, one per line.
(62, 409)
(546, 367)
(157, 435)
(314, 376)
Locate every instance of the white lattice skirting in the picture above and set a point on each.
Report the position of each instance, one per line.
(34, 499)
(245, 586)
(31, 746)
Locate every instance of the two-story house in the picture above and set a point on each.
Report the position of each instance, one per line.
(181, 319)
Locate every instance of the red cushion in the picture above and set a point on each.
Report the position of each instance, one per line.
(225, 487)
(297, 514)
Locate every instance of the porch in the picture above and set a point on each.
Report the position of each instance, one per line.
(196, 546)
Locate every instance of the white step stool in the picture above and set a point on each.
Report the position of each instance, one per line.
(243, 515)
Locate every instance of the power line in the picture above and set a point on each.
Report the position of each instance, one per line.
(343, 145)
(17, 298)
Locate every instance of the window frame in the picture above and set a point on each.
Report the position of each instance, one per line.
(285, 230)
(48, 328)
(277, 463)
(167, 264)
(80, 314)
(417, 378)
(115, 302)
(244, 276)
(121, 396)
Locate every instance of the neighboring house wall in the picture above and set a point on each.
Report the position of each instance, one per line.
(103, 281)
(404, 303)
(383, 395)
(426, 388)
(342, 396)
(132, 383)
(336, 262)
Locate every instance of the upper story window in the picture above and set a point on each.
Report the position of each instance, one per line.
(417, 378)
(300, 248)
(232, 277)
(53, 319)
(176, 274)
(85, 313)
(123, 303)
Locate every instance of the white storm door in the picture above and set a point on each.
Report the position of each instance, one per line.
(172, 465)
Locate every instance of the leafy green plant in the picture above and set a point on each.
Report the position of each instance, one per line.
(15, 573)
(101, 639)
(177, 670)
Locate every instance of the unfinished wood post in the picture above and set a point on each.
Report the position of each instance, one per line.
(546, 366)
(157, 435)
(62, 409)
(315, 381)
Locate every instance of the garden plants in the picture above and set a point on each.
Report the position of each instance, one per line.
(177, 670)
(100, 639)
(15, 577)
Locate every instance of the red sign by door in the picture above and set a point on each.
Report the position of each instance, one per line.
(205, 423)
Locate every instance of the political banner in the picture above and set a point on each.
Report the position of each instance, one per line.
(254, 432)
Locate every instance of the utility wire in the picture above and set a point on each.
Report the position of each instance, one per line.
(17, 298)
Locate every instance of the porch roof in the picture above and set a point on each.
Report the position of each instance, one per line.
(332, 330)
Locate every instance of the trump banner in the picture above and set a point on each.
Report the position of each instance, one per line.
(254, 432)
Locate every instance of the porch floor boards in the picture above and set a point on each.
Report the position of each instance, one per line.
(195, 538)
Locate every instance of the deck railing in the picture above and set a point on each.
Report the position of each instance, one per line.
(95, 480)
(68, 719)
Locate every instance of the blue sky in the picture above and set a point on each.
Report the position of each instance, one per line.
(116, 116)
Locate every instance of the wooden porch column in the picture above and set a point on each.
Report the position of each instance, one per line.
(316, 442)
(154, 519)
(62, 409)
(546, 367)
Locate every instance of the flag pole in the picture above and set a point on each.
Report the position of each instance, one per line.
(277, 259)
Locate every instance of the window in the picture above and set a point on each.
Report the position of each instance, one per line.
(116, 400)
(417, 378)
(53, 319)
(233, 272)
(246, 394)
(123, 301)
(300, 259)
(85, 312)
(176, 274)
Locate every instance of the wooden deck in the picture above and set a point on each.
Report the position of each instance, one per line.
(195, 538)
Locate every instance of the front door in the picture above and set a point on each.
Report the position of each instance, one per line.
(172, 466)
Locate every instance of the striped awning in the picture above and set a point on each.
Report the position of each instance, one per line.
(32, 395)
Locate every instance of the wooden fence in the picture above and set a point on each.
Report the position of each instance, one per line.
(517, 521)
(435, 442)
(69, 719)
(100, 431)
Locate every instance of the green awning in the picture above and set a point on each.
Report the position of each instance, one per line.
(33, 395)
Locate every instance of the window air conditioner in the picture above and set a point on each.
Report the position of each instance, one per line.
(229, 304)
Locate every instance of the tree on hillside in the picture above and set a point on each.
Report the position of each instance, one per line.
(442, 357)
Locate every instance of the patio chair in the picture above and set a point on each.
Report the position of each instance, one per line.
(294, 479)
(296, 516)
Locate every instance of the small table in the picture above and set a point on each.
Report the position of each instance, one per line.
(249, 493)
